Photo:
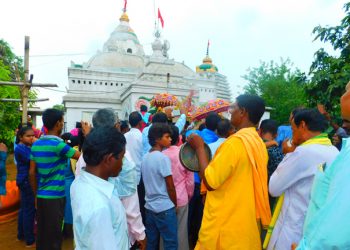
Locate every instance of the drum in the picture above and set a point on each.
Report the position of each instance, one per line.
(189, 159)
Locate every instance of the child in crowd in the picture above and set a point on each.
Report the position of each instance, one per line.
(160, 190)
(224, 130)
(268, 132)
(184, 184)
(99, 219)
(48, 160)
(3, 175)
(26, 215)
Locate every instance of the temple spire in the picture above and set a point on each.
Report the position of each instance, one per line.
(207, 64)
(124, 17)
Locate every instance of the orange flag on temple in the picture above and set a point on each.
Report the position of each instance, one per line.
(160, 18)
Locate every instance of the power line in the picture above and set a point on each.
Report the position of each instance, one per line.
(57, 90)
(50, 62)
(53, 55)
(84, 93)
(73, 54)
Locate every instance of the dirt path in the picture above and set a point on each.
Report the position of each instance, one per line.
(8, 230)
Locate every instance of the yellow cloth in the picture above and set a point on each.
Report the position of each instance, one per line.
(73, 162)
(321, 139)
(273, 221)
(229, 219)
(258, 158)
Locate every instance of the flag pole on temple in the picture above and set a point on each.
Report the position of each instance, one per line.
(208, 47)
(154, 12)
(125, 3)
(161, 20)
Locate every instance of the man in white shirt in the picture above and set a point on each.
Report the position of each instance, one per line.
(327, 219)
(99, 220)
(295, 174)
(125, 184)
(134, 141)
(131, 204)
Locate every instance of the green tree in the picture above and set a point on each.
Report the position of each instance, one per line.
(11, 69)
(58, 106)
(330, 73)
(4, 72)
(280, 85)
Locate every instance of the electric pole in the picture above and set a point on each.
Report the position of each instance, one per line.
(26, 85)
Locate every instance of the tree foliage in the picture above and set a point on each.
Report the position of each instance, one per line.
(58, 106)
(281, 86)
(330, 73)
(11, 69)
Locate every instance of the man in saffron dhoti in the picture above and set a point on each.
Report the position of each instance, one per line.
(237, 202)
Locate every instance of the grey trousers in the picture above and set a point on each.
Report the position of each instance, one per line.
(182, 229)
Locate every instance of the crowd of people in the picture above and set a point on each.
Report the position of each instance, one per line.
(121, 185)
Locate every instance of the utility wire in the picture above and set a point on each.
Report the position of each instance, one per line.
(47, 55)
(55, 55)
(84, 93)
(45, 63)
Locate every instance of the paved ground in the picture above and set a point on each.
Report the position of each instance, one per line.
(8, 231)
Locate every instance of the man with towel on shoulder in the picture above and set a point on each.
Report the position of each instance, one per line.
(237, 202)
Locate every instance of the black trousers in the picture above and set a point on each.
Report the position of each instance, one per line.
(141, 193)
(50, 215)
(195, 215)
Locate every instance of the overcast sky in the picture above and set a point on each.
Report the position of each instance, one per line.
(242, 32)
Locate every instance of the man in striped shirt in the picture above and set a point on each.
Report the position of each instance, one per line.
(48, 161)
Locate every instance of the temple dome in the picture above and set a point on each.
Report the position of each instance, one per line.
(121, 50)
(113, 60)
(207, 66)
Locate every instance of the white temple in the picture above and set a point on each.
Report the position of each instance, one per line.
(121, 73)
